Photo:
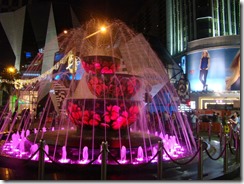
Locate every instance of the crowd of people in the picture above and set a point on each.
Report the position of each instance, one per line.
(233, 119)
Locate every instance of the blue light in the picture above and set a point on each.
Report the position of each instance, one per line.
(28, 55)
(57, 77)
(58, 56)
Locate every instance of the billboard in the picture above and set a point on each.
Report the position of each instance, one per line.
(65, 70)
(222, 72)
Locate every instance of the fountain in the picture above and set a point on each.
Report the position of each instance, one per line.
(111, 87)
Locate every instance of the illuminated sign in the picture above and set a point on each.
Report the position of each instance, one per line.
(28, 55)
(223, 71)
(67, 70)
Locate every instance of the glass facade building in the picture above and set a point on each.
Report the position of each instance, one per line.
(188, 20)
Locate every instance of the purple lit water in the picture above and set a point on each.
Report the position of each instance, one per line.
(137, 59)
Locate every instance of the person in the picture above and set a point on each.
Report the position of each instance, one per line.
(224, 119)
(235, 122)
(214, 118)
(194, 119)
(233, 82)
(204, 67)
(225, 123)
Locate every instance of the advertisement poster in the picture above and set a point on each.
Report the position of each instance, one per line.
(219, 72)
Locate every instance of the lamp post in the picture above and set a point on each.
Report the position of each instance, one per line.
(102, 29)
(11, 70)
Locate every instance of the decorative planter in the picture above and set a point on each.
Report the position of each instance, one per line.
(121, 86)
(110, 114)
(100, 64)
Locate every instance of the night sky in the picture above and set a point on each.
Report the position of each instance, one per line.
(118, 9)
(85, 10)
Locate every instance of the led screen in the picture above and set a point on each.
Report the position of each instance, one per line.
(223, 73)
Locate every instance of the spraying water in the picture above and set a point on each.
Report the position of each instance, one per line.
(109, 86)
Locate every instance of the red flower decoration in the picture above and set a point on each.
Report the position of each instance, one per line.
(115, 116)
(94, 119)
(133, 114)
(121, 121)
(113, 86)
(112, 113)
(107, 70)
(100, 64)
(96, 86)
(86, 117)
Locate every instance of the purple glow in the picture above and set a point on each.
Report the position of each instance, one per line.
(83, 161)
(123, 161)
(140, 154)
(47, 151)
(64, 161)
(16, 148)
(44, 129)
(123, 154)
(139, 159)
(85, 153)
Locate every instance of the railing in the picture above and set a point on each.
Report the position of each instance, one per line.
(200, 152)
(214, 128)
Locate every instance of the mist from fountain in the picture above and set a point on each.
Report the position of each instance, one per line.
(104, 80)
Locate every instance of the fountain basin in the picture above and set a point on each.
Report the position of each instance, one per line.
(94, 138)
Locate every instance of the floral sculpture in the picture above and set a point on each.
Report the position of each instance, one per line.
(114, 117)
(114, 108)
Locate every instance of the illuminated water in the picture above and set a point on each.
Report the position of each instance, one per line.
(110, 87)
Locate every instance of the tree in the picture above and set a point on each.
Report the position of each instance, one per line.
(8, 75)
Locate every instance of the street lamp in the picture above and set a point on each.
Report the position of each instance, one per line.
(11, 70)
(102, 29)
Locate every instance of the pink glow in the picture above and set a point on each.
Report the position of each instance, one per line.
(174, 155)
(139, 159)
(123, 161)
(16, 149)
(10, 152)
(64, 160)
(166, 158)
(83, 161)
(44, 129)
(35, 157)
